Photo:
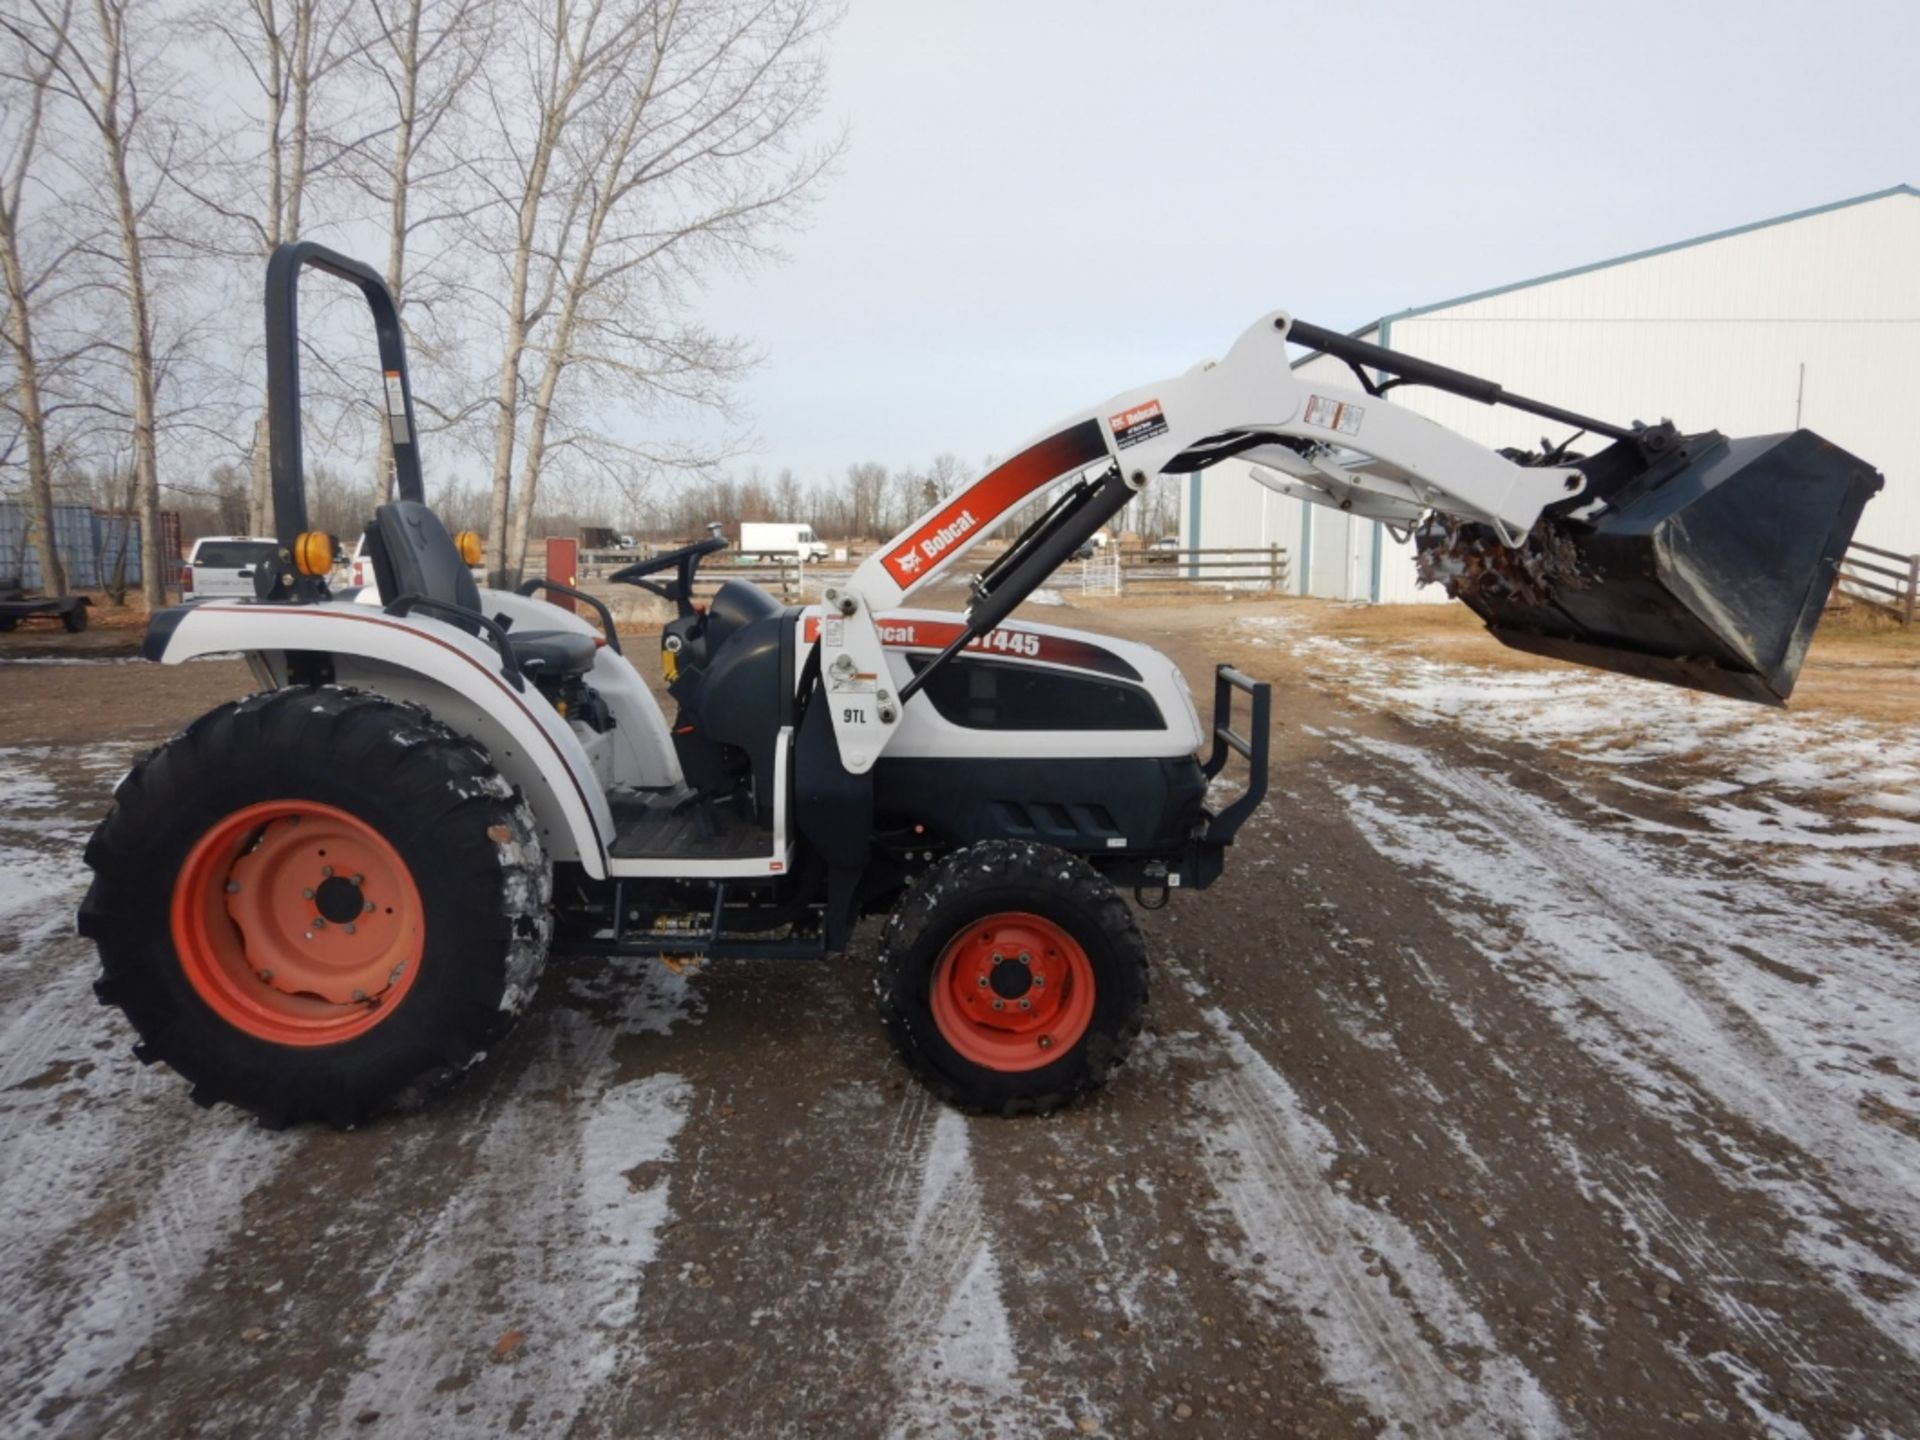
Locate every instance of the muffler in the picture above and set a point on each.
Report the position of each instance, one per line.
(1691, 559)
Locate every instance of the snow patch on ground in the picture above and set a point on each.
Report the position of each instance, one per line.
(1669, 967)
(96, 1304)
(1759, 764)
(42, 836)
(542, 1247)
(1359, 1279)
(1627, 722)
(957, 1360)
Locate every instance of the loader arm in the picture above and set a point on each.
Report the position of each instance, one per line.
(1250, 403)
(1693, 560)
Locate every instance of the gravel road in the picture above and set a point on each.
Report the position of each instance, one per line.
(1545, 1063)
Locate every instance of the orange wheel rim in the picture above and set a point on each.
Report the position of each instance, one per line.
(1013, 992)
(298, 923)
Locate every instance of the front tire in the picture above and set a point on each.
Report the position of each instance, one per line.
(1013, 978)
(316, 900)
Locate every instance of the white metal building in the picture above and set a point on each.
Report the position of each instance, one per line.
(1807, 319)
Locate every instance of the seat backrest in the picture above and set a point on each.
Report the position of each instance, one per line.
(412, 554)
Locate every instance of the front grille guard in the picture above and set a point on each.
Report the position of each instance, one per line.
(1252, 747)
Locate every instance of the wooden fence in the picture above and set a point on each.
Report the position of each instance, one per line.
(1257, 567)
(1882, 577)
(1113, 570)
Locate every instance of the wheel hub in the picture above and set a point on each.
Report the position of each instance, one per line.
(339, 900)
(1012, 978)
(297, 922)
(1012, 991)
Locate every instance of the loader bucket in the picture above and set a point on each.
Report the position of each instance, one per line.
(1707, 564)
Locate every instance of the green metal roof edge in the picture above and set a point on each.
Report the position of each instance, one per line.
(1418, 310)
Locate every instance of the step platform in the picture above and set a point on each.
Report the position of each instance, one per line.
(674, 825)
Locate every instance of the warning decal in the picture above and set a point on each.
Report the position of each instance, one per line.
(397, 407)
(1144, 421)
(1332, 415)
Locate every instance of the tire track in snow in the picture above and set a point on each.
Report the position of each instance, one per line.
(89, 1278)
(1391, 1328)
(95, 1305)
(513, 1303)
(955, 1348)
(1644, 956)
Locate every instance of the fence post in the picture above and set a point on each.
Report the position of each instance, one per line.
(1913, 584)
(1273, 568)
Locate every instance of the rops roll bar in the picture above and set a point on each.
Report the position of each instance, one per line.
(283, 379)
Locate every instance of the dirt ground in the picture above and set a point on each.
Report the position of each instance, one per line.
(1545, 1063)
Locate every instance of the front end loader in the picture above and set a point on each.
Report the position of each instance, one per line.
(340, 890)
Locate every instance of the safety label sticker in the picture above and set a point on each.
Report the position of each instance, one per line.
(1137, 423)
(1332, 415)
(397, 407)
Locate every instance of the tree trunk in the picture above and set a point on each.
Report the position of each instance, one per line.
(537, 446)
(53, 574)
(260, 517)
(503, 573)
(146, 466)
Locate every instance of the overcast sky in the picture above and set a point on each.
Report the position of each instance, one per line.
(1044, 203)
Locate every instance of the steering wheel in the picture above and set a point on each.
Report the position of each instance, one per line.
(679, 590)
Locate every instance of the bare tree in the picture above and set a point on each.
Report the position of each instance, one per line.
(680, 151)
(99, 65)
(25, 90)
(572, 48)
(423, 56)
(289, 50)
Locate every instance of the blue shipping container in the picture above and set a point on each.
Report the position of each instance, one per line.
(89, 545)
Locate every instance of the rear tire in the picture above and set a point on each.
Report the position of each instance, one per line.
(74, 619)
(273, 982)
(1012, 979)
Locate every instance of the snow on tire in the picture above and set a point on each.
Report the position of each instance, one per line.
(315, 900)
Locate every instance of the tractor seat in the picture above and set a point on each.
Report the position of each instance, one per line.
(550, 653)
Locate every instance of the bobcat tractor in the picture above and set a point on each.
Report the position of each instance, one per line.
(340, 890)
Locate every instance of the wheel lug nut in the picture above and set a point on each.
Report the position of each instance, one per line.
(327, 871)
(308, 894)
(369, 907)
(1046, 1042)
(1039, 981)
(999, 1004)
(1025, 958)
(1026, 1004)
(998, 958)
(319, 922)
(359, 879)
(983, 982)
(351, 927)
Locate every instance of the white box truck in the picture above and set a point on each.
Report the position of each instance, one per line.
(772, 540)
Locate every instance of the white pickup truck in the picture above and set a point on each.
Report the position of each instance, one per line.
(222, 565)
(778, 541)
